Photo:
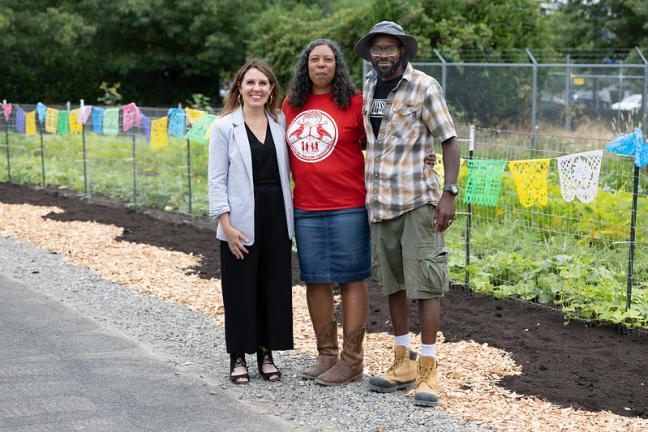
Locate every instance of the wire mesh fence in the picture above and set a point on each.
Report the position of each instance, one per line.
(123, 166)
(578, 256)
(574, 255)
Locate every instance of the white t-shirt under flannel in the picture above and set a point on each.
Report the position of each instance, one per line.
(396, 176)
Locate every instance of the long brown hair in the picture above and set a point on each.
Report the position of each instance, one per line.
(232, 102)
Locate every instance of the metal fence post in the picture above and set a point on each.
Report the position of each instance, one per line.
(534, 97)
(85, 158)
(444, 71)
(633, 224)
(42, 148)
(568, 92)
(635, 188)
(134, 163)
(189, 166)
(8, 153)
(189, 174)
(471, 151)
(620, 95)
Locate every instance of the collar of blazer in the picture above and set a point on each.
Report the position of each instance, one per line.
(238, 119)
(241, 138)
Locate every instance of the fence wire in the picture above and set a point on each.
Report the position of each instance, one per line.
(570, 255)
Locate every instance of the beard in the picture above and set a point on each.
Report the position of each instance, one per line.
(389, 72)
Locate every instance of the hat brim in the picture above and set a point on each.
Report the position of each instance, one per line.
(409, 42)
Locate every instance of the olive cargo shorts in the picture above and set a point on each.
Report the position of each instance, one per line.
(407, 253)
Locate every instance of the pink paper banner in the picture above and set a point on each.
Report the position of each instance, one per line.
(6, 109)
(84, 113)
(130, 116)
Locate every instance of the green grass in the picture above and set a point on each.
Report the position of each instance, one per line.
(161, 174)
(571, 255)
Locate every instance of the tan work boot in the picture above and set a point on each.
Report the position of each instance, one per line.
(350, 365)
(427, 387)
(327, 349)
(400, 375)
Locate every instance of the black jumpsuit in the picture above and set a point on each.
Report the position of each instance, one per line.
(257, 290)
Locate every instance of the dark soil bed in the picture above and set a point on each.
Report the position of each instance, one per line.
(568, 363)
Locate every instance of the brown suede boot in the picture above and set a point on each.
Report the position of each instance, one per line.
(327, 349)
(350, 365)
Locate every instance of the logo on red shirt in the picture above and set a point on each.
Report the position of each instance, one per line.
(312, 136)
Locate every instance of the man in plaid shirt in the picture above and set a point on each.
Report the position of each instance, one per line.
(404, 111)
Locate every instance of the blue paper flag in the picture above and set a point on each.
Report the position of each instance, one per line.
(176, 122)
(631, 145)
(97, 120)
(20, 120)
(145, 124)
(41, 109)
(641, 158)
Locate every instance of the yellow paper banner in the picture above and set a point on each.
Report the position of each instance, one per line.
(159, 136)
(193, 115)
(73, 121)
(30, 123)
(530, 178)
(51, 120)
(438, 167)
(209, 130)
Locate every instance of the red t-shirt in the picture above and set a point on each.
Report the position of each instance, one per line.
(326, 160)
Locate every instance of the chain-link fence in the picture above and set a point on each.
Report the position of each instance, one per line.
(546, 94)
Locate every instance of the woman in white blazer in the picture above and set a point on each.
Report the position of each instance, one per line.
(250, 196)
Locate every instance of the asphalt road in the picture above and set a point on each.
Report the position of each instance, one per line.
(61, 371)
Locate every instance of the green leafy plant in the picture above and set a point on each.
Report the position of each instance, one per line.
(111, 94)
(200, 102)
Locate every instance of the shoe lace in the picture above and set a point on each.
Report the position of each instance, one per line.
(398, 361)
(424, 375)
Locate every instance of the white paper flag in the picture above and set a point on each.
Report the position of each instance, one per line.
(579, 175)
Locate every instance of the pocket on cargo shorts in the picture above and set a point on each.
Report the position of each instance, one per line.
(433, 279)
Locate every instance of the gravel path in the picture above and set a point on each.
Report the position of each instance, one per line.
(194, 344)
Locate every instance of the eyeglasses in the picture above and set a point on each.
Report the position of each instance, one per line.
(391, 50)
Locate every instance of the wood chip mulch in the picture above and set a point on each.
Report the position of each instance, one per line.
(468, 371)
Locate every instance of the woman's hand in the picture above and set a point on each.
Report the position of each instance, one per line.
(235, 238)
(235, 241)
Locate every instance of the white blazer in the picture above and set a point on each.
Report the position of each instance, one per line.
(231, 185)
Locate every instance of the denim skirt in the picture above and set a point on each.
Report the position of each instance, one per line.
(334, 246)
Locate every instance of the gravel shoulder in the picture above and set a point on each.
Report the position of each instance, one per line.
(192, 344)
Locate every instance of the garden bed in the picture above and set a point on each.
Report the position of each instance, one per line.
(564, 365)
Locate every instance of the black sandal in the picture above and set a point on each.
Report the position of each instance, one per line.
(264, 357)
(238, 360)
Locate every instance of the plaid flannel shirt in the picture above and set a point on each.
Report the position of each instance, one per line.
(396, 176)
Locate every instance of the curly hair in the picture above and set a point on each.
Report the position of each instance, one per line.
(301, 86)
(232, 99)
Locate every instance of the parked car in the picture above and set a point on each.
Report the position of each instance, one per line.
(630, 103)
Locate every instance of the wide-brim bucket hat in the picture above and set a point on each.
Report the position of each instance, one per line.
(388, 28)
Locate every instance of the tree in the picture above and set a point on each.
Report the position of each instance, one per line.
(604, 24)
(161, 51)
(44, 51)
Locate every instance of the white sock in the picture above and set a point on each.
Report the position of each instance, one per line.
(428, 350)
(403, 340)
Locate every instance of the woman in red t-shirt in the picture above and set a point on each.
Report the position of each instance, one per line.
(325, 134)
